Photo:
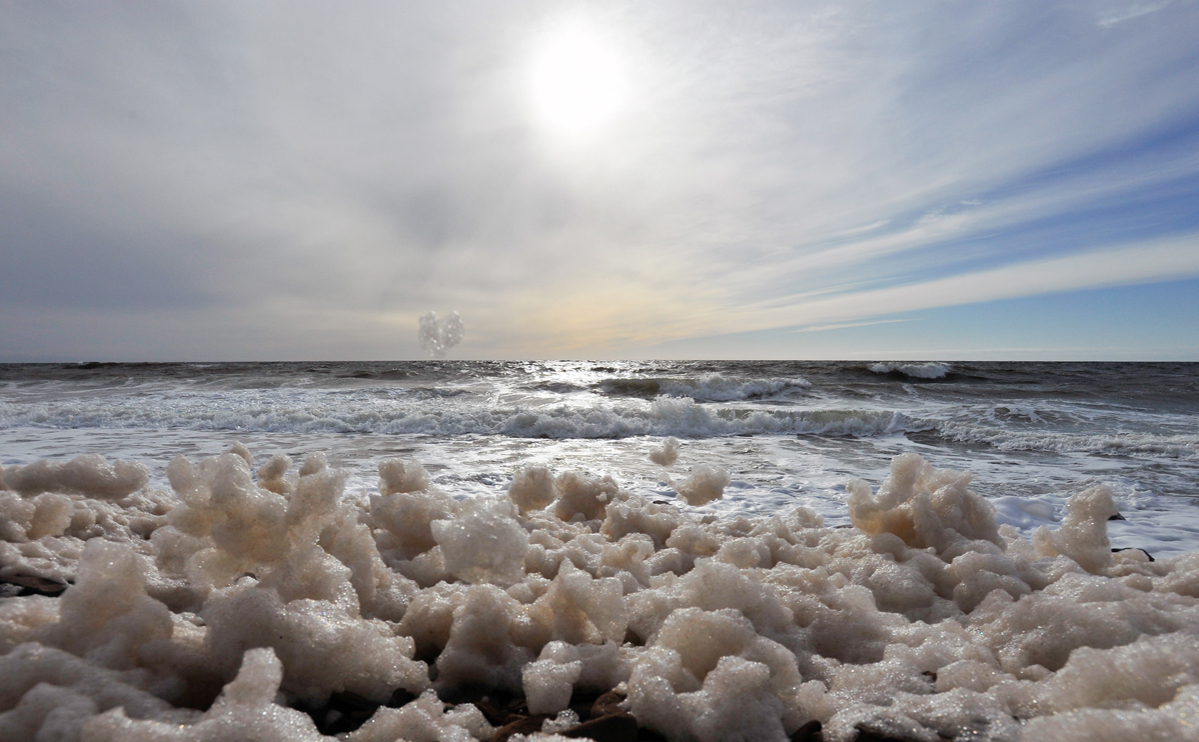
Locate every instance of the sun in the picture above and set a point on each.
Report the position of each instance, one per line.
(578, 81)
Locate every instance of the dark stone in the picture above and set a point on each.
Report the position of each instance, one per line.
(498, 707)
(353, 701)
(22, 585)
(618, 727)
(400, 698)
(523, 725)
(809, 732)
(495, 713)
(606, 705)
(516, 706)
(866, 734)
(1135, 548)
(1117, 516)
(581, 703)
(342, 713)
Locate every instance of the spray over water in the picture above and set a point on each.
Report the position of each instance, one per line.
(436, 337)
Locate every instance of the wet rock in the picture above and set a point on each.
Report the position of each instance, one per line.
(868, 734)
(522, 725)
(22, 585)
(618, 727)
(344, 712)
(606, 705)
(400, 697)
(810, 732)
(1135, 548)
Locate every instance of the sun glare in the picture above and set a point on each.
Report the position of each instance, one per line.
(578, 82)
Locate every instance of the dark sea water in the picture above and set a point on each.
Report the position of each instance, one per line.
(788, 432)
(443, 533)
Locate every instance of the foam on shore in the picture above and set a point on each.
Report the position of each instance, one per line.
(215, 610)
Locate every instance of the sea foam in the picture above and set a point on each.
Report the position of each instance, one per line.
(243, 605)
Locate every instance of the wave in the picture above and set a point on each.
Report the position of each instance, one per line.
(712, 387)
(1176, 446)
(661, 416)
(912, 370)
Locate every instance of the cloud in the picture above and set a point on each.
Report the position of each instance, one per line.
(847, 325)
(775, 165)
(1131, 264)
(1127, 11)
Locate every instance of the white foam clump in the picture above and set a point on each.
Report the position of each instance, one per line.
(668, 454)
(705, 484)
(426, 718)
(924, 506)
(484, 543)
(214, 610)
(245, 710)
(575, 495)
(1083, 535)
(88, 475)
(532, 488)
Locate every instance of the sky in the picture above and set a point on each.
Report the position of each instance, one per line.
(931, 179)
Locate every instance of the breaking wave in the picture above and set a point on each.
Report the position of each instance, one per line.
(1177, 446)
(711, 387)
(913, 370)
(663, 415)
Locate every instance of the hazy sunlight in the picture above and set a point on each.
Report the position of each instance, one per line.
(578, 82)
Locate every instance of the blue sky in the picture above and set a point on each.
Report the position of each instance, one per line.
(303, 180)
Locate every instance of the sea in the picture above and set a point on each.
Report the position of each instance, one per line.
(789, 433)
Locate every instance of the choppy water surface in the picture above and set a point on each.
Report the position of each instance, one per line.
(789, 432)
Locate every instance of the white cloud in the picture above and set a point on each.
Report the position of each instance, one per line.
(1127, 11)
(776, 164)
(847, 325)
(1168, 259)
